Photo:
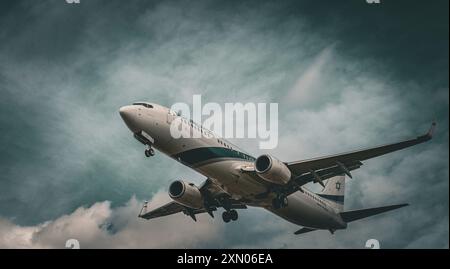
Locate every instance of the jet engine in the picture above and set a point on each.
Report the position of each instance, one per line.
(186, 194)
(272, 170)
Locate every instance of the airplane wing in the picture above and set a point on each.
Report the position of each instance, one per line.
(214, 198)
(319, 169)
(169, 209)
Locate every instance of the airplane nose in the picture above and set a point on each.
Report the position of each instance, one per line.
(128, 115)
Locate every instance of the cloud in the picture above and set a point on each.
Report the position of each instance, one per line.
(308, 84)
(100, 226)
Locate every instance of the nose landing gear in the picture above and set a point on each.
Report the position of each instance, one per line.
(149, 152)
(228, 216)
(147, 140)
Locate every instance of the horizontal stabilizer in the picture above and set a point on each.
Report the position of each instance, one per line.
(304, 230)
(349, 216)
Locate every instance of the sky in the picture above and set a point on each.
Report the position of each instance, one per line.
(345, 75)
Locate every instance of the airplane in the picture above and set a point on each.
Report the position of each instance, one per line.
(236, 180)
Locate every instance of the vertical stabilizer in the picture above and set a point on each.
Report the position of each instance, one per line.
(334, 192)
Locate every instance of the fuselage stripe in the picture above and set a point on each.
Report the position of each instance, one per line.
(335, 198)
(195, 156)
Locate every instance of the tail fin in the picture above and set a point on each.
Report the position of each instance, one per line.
(364, 213)
(334, 192)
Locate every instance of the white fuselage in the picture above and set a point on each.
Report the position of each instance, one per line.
(221, 161)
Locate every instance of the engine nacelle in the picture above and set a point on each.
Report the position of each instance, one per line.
(186, 194)
(272, 170)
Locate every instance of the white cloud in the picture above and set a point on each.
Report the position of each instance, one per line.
(101, 226)
(308, 85)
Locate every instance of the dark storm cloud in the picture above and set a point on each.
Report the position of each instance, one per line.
(347, 75)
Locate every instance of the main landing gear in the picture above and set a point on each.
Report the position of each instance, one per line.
(149, 151)
(279, 202)
(227, 216)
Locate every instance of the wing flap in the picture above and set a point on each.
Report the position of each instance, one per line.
(326, 173)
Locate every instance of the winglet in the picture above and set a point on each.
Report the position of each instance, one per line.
(429, 134)
(431, 130)
(143, 209)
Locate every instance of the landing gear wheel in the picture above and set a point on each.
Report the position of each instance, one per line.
(149, 152)
(226, 216)
(233, 215)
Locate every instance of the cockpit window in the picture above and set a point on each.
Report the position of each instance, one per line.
(143, 104)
